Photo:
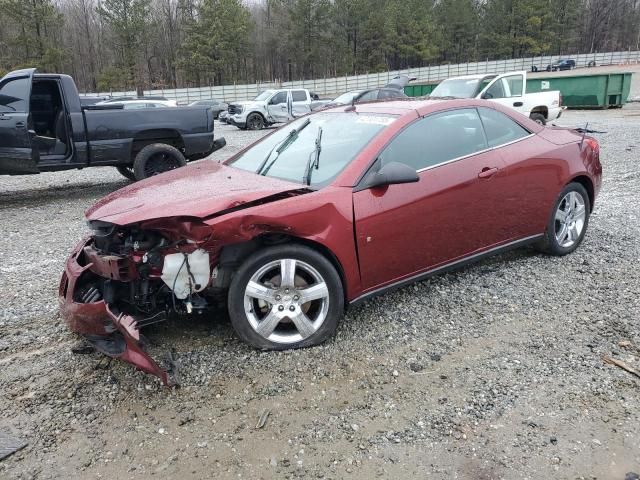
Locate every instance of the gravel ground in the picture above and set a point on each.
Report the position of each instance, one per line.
(491, 372)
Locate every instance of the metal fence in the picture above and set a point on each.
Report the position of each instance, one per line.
(330, 87)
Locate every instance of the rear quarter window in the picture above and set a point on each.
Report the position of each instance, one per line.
(499, 128)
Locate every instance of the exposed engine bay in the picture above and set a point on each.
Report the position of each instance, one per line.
(125, 278)
(146, 274)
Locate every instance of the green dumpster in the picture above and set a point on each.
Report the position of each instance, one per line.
(578, 91)
(420, 89)
(586, 91)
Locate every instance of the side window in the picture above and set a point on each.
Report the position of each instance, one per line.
(13, 95)
(514, 83)
(369, 96)
(437, 139)
(389, 93)
(500, 129)
(299, 96)
(495, 90)
(278, 98)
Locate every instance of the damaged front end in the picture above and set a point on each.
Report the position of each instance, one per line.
(122, 279)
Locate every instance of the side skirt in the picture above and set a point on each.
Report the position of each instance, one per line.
(446, 268)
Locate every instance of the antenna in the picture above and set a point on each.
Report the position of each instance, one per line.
(584, 132)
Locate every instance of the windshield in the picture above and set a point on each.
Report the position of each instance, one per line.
(459, 88)
(344, 135)
(346, 98)
(264, 95)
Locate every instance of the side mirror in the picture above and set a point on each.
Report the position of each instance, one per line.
(392, 173)
(487, 96)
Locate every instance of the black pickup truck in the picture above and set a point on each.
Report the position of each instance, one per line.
(44, 127)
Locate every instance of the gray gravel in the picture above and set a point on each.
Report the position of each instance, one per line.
(491, 372)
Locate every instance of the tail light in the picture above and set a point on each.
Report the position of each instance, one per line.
(593, 145)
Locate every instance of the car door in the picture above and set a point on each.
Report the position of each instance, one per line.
(16, 134)
(507, 90)
(532, 176)
(453, 211)
(301, 104)
(277, 107)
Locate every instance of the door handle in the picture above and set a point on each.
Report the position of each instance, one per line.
(488, 172)
(3, 117)
(517, 104)
(20, 124)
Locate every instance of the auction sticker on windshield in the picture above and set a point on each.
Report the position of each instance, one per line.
(375, 120)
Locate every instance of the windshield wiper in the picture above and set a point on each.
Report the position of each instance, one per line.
(314, 158)
(280, 147)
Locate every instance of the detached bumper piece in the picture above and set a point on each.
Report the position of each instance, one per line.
(110, 331)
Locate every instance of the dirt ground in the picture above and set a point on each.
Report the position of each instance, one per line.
(492, 372)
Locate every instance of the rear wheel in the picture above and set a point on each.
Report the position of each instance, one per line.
(255, 122)
(568, 223)
(127, 172)
(538, 118)
(286, 296)
(157, 158)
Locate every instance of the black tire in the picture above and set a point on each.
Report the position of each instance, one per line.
(127, 172)
(549, 244)
(157, 158)
(261, 258)
(255, 121)
(538, 118)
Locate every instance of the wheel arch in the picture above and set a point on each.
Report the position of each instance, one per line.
(232, 256)
(542, 109)
(586, 182)
(167, 136)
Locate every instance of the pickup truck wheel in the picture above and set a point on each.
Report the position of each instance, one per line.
(255, 122)
(157, 158)
(127, 172)
(538, 118)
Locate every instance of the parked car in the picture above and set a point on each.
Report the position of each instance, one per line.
(91, 100)
(223, 116)
(216, 106)
(269, 107)
(141, 102)
(566, 64)
(294, 228)
(509, 89)
(44, 127)
(138, 104)
(394, 89)
(146, 97)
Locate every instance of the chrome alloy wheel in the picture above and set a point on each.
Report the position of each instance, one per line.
(286, 301)
(570, 219)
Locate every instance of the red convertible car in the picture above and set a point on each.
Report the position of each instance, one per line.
(327, 211)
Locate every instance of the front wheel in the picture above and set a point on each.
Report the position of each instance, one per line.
(286, 296)
(255, 121)
(568, 223)
(157, 158)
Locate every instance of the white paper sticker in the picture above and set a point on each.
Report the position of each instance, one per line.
(375, 120)
(544, 85)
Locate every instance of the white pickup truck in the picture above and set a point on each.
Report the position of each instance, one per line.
(269, 107)
(509, 90)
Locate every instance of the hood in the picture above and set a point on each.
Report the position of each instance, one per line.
(198, 190)
(244, 103)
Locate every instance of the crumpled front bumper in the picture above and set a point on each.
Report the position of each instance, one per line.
(113, 333)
